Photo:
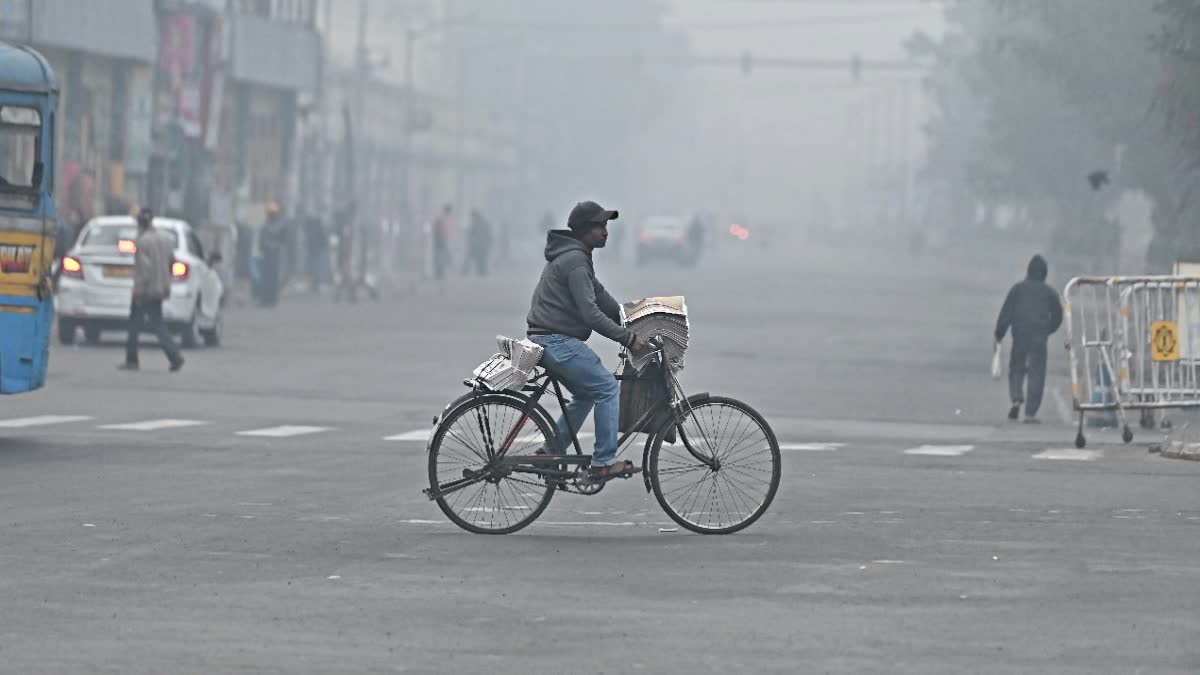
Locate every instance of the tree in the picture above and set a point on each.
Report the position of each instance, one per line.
(1053, 90)
(1178, 99)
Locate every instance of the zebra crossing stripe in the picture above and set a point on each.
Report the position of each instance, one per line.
(811, 447)
(418, 436)
(285, 431)
(154, 425)
(41, 421)
(1070, 455)
(940, 450)
(423, 436)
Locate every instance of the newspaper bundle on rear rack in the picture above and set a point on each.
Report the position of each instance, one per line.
(512, 367)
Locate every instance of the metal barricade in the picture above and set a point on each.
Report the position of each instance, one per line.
(1134, 344)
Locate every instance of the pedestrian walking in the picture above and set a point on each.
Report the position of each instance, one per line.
(479, 245)
(272, 245)
(153, 260)
(442, 230)
(1033, 312)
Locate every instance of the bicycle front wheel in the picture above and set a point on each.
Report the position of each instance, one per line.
(488, 500)
(721, 473)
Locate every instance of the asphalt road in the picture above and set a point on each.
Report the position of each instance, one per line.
(261, 510)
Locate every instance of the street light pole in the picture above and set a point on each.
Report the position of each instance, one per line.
(410, 37)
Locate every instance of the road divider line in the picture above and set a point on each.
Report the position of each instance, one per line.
(154, 425)
(811, 447)
(1070, 455)
(418, 436)
(940, 450)
(423, 436)
(41, 421)
(285, 431)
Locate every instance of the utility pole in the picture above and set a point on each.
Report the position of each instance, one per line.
(361, 66)
(406, 168)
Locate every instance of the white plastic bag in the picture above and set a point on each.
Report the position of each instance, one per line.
(997, 365)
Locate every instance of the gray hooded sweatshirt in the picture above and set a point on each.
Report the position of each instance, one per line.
(569, 300)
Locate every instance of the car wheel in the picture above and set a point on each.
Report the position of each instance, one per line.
(91, 334)
(66, 331)
(212, 336)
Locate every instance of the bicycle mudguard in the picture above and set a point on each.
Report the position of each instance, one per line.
(470, 397)
(665, 429)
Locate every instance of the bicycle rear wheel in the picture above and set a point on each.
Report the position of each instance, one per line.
(734, 479)
(498, 502)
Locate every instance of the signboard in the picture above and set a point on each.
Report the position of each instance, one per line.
(1164, 341)
(15, 259)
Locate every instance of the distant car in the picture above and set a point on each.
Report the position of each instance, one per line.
(662, 237)
(95, 284)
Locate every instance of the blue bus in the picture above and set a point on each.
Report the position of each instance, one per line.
(28, 100)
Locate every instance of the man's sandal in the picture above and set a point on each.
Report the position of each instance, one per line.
(619, 470)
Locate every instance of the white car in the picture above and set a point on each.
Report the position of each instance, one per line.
(95, 284)
(662, 237)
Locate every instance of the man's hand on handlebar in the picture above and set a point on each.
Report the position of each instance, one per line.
(640, 346)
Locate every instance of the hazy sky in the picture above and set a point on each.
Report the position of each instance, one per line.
(783, 136)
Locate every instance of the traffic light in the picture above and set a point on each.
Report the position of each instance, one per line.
(747, 63)
(856, 67)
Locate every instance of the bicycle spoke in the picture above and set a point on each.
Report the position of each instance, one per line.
(499, 502)
(737, 488)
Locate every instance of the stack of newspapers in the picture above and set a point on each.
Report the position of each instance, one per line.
(661, 317)
(512, 367)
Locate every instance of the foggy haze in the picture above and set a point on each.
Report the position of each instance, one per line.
(298, 297)
(618, 100)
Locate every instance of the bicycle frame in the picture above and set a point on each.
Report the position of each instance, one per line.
(534, 464)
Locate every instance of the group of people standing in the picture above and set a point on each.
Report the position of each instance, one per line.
(478, 244)
(348, 256)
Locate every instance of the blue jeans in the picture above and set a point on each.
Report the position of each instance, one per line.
(591, 385)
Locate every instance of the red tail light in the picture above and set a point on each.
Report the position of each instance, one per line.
(71, 267)
(179, 270)
(126, 246)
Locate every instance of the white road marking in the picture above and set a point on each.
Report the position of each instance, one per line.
(285, 431)
(418, 436)
(940, 450)
(423, 436)
(571, 523)
(530, 438)
(1070, 454)
(41, 421)
(154, 425)
(811, 447)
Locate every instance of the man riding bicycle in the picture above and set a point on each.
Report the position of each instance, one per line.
(568, 304)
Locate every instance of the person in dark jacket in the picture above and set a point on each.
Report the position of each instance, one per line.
(568, 304)
(479, 244)
(1033, 311)
(272, 243)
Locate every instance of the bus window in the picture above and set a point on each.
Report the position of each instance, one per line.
(19, 131)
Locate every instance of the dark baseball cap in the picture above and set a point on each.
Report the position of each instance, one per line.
(586, 215)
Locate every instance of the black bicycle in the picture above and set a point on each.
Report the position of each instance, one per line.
(712, 462)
